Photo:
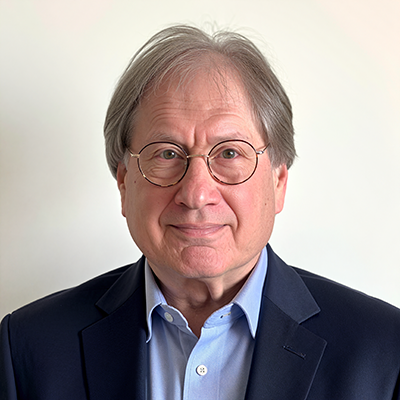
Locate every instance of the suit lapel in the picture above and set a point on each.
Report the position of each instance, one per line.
(286, 355)
(120, 340)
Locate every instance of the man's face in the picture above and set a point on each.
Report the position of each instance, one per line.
(200, 228)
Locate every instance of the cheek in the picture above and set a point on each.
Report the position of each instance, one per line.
(255, 207)
(139, 206)
(144, 207)
(140, 217)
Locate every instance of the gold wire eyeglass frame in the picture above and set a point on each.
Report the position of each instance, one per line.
(206, 158)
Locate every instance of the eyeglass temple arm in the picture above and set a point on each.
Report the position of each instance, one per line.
(133, 155)
(262, 151)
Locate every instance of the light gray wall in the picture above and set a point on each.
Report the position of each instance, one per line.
(340, 63)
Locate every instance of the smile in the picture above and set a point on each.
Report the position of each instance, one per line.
(198, 230)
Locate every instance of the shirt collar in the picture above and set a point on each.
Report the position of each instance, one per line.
(154, 296)
(248, 298)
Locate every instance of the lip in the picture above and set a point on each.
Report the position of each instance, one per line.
(198, 230)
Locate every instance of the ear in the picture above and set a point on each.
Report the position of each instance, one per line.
(280, 176)
(121, 174)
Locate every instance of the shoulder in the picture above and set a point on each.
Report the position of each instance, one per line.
(350, 311)
(74, 307)
(327, 291)
(363, 340)
(49, 332)
(341, 309)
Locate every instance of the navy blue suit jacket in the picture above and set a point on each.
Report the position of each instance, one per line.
(316, 340)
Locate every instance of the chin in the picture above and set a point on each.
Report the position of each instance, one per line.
(203, 263)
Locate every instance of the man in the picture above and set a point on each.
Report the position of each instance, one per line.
(199, 137)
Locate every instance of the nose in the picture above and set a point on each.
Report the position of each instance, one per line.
(198, 188)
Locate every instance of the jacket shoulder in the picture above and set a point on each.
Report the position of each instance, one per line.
(74, 307)
(326, 288)
(350, 311)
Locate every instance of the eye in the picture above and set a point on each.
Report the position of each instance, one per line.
(169, 154)
(229, 154)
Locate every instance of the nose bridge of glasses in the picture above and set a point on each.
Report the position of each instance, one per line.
(203, 156)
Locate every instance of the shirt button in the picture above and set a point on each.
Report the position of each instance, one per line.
(201, 370)
(168, 317)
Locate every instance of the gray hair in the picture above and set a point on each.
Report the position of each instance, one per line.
(179, 50)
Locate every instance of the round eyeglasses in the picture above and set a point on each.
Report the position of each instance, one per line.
(230, 162)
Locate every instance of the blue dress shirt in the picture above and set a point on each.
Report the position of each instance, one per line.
(215, 366)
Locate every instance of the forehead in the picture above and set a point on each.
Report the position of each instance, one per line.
(210, 103)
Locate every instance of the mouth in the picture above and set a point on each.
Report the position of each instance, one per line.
(198, 230)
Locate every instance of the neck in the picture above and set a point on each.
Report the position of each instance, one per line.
(197, 300)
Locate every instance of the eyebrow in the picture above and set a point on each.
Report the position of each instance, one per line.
(165, 137)
(161, 136)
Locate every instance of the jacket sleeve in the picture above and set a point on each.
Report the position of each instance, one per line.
(8, 390)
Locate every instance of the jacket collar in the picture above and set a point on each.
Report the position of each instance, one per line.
(287, 291)
(286, 355)
(114, 350)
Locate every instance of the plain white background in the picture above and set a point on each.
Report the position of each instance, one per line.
(340, 64)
